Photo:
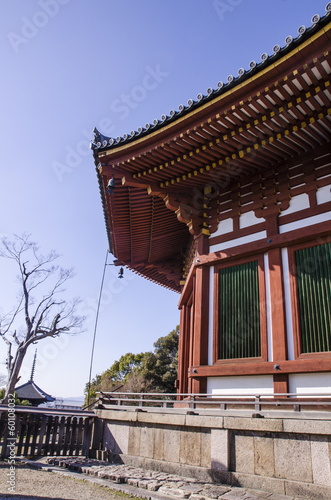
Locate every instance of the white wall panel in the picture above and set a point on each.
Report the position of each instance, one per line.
(238, 241)
(309, 221)
(244, 385)
(297, 203)
(225, 226)
(310, 383)
(323, 195)
(249, 219)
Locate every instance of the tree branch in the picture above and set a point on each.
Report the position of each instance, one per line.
(42, 315)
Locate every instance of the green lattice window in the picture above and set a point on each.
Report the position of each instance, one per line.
(313, 267)
(239, 312)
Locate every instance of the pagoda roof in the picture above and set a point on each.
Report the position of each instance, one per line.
(33, 393)
(269, 116)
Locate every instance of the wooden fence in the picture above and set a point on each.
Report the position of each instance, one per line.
(32, 432)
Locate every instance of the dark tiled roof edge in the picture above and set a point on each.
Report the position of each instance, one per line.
(30, 390)
(102, 142)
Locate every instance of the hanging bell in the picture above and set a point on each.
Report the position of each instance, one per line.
(120, 273)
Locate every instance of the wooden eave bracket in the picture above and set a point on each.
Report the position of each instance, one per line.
(185, 213)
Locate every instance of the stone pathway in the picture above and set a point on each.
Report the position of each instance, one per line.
(155, 485)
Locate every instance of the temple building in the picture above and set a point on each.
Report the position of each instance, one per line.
(227, 201)
(31, 392)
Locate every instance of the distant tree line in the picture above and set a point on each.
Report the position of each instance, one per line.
(154, 371)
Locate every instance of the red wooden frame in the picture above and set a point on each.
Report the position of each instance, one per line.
(263, 312)
(295, 301)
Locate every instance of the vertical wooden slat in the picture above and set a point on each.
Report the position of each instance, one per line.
(254, 339)
(243, 314)
(20, 433)
(62, 425)
(239, 314)
(318, 282)
(326, 293)
(35, 432)
(314, 297)
(80, 431)
(3, 424)
(234, 283)
(256, 314)
(49, 424)
(54, 435)
(28, 432)
(87, 436)
(73, 436)
(244, 319)
(310, 295)
(42, 432)
(66, 435)
(4, 435)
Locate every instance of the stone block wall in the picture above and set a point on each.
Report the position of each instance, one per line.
(284, 455)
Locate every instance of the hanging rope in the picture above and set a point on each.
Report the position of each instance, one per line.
(95, 328)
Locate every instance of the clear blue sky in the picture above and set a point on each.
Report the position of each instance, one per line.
(71, 65)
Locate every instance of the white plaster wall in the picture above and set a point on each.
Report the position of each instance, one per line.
(297, 203)
(310, 383)
(323, 194)
(225, 226)
(309, 221)
(211, 316)
(249, 219)
(240, 385)
(238, 241)
(268, 306)
(288, 304)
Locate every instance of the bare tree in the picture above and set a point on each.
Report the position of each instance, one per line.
(39, 312)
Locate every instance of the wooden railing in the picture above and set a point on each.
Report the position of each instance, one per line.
(257, 403)
(32, 431)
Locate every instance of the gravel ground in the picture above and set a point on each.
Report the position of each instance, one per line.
(41, 485)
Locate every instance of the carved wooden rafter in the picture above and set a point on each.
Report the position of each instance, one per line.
(180, 203)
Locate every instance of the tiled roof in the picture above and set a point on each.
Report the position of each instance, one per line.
(102, 142)
(32, 392)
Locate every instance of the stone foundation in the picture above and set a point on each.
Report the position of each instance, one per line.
(289, 456)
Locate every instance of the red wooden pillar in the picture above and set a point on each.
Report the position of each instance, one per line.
(280, 383)
(201, 317)
(183, 348)
(277, 305)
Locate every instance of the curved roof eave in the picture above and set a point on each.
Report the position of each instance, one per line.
(103, 143)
